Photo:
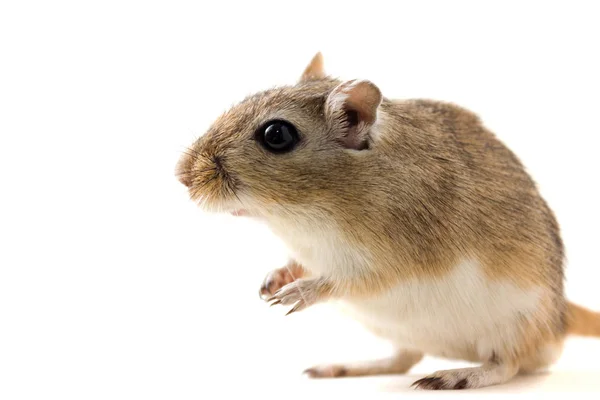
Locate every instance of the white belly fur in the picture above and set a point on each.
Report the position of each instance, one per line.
(461, 315)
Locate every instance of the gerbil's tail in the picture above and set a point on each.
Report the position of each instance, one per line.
(581, 321)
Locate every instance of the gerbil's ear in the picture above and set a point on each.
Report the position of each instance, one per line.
(351, 110)
(314, 70)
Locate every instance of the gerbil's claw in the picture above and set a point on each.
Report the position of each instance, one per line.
(299, 294)
(429, 383)
(297, 307)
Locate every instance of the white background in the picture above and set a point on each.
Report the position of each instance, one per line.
(113, 285)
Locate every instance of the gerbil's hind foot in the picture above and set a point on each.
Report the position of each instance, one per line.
(399, 364)
(468, 378)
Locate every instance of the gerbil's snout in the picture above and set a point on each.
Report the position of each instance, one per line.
(206, 176)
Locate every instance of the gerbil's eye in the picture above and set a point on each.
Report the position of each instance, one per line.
(277, 136)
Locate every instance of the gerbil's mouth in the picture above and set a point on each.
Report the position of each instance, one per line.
(240, 213)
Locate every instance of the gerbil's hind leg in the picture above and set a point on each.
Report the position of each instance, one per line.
(544, 356)
(491, 373)
(398, 364)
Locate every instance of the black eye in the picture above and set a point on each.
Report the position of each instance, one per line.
(277, 136)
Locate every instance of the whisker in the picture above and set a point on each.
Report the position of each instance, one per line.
(196, 194)
(195, 172)
(187, 148)
(192, 153)
(212, 178)
(231, 187)
(237, 197)
(187, 153)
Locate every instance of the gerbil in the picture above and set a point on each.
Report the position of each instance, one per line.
(411, 213)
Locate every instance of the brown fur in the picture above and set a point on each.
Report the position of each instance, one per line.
(433, 186)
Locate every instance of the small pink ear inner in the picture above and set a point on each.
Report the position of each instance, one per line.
(364, 100)
(359, 101)
(355, 139)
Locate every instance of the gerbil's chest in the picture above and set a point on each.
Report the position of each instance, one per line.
(321, 249)
(459, 315)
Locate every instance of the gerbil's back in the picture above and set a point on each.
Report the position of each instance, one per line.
(474, 189)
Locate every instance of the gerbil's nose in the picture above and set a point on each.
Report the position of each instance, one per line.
(183, 170)
(186, 180)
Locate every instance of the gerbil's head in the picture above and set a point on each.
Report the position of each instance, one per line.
(292, 149)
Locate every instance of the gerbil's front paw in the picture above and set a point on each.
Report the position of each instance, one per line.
(302, 293)
(275, 280)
